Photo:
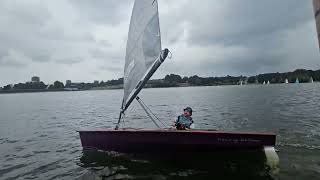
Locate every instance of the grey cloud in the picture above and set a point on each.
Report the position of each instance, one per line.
(29, 13)
(106, 12)
(111, 68)
(98, 53)
(250, 64)
(243, 20)
(261, 27)
(11, 63)
(41, 57)
(105, 43)
(13, 59)
(107, 56)
(69, 61)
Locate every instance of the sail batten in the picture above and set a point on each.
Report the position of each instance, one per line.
(143, 47)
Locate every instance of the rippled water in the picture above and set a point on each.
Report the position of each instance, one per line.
(38, 138)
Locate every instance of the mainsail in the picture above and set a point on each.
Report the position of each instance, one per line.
(316, 7)
(143, 52)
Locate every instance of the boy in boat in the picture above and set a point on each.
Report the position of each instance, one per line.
(184, 121)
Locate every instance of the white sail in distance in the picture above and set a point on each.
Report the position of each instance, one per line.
(143, 45)
(316, 8)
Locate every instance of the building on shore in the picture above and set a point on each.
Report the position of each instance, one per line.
(74, 86)
(68, 82)
(35, 79)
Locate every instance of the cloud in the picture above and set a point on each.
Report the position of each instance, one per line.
(239, 37)
(70, 61)
(230, 21)
(209, 38)
(111, 68)
(103, 12)
(13, 59)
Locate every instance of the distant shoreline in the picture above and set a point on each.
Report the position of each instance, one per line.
(115, 88)
(29, 91)
(170, 80)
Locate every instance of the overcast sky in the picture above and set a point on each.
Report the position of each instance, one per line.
(85, 40)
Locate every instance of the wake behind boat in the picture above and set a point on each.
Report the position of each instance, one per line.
(144, 55)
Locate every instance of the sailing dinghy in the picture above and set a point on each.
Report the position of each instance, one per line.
(143, 57)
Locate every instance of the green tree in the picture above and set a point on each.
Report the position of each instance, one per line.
(7, 87)
(58, 85)
(173, 78)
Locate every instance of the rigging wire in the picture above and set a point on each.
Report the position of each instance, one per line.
(122, 121)
(147, 112)
(163, 124)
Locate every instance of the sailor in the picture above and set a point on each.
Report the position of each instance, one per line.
(184, 121)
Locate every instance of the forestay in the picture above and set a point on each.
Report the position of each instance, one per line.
(143, 45)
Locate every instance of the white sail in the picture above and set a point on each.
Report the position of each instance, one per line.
(286, 81)
(311, 80)
(143, 45)
(316, 7)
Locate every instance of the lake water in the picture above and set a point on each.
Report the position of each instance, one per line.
(38, 138)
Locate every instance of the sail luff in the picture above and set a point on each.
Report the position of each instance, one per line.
(155, 1)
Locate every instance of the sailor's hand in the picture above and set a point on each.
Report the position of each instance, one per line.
(174, 124)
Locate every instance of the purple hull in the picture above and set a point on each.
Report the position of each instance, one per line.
(172, 140)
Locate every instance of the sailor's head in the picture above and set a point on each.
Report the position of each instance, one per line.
(187, 111)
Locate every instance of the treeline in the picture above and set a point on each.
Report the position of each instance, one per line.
(301, 74)
(34, 86)
(112, 82)
(174, 80)
(57, 85)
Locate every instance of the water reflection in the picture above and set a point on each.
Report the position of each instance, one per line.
(220, 165)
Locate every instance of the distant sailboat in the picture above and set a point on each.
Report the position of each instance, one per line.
(286, 81)
(268, 82)
(264, 82)
(297, 81)
(311, 80)
(241, 82)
